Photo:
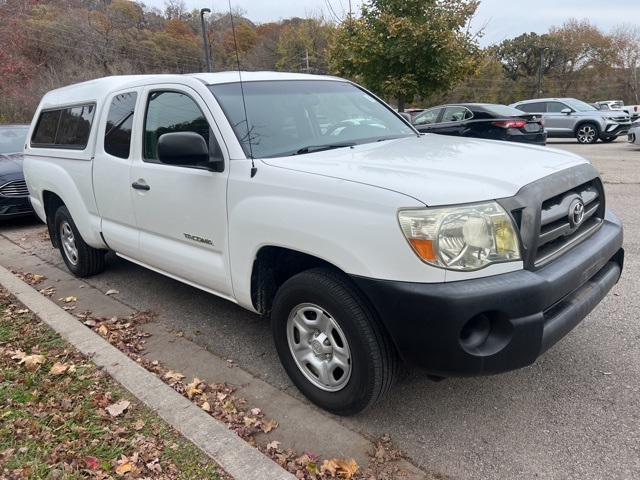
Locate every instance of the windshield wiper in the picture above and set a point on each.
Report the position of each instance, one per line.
(319, 148)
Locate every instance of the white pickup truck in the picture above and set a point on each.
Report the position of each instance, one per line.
(309, 201)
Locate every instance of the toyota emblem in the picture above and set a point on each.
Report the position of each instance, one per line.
(576, 213)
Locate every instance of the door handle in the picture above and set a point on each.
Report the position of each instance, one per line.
(140, 186)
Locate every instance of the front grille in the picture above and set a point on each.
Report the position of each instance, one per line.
(557, 232)
(544, 213)
(17, 188)
(620, 119)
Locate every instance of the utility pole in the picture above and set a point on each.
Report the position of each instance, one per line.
(204, 37)
(542, 49)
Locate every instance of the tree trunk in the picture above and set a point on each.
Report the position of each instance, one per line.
(400, 102)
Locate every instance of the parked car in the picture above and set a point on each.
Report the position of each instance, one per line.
(634, 133)
(413, 112)
(632, 110)
(569, 117)
(14, 195)
(483, 120)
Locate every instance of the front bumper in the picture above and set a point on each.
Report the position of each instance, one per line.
(11, 207)
(617, 129)
(500, 323)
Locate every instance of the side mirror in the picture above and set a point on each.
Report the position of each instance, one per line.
(186, 149)
(566, 111)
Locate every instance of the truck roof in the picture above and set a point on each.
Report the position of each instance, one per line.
(96, 89)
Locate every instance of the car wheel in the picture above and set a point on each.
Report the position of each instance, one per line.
(331, 342)
(587, 133)
(608, 139)
(81, 259)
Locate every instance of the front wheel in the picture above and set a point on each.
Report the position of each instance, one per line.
(587, 133)
(81, 259)
(331, 342)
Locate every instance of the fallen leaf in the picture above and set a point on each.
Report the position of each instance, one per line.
(103, 330)
(329, 466)
(39, 278)
(191, 391)
(268, 425)
(92, 463)
(32, 361)
(18, 355)
(347, 468)
(273, 445)
(118, 408)
(139, 425)
(124, 468)
(47, 291)
(6, 454)
(70, 299)
(206, 407)
(112, 292)
(171, 375)
(23, 310)
(58, 368)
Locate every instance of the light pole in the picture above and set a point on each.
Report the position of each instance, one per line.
(542, 49)
(204, 37)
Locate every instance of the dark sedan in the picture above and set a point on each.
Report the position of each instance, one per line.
(483, 120)
(14, 196)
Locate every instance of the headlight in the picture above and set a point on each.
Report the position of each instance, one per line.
(469, 237)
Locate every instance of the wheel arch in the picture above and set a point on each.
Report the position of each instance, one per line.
(584, 122)
(52, 203)
(272, 267)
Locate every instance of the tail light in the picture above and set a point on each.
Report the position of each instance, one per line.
(510, 123)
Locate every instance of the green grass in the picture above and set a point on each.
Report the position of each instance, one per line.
(57, 426)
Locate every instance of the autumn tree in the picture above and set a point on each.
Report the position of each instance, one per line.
(303, 44)
(626, 43)
(402, 49)
(580, 54)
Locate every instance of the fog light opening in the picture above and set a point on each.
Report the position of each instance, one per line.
(486, 334)
(475, 332)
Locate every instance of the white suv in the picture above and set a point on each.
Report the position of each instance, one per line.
(568, 117)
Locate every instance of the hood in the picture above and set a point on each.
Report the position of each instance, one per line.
(11, 163)
(437, 169)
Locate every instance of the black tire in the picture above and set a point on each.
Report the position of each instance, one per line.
(81, 259)
(331, 342)
(587, 133)
(608, 139)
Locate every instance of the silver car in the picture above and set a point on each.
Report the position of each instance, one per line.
(569, 117)
(634, 133)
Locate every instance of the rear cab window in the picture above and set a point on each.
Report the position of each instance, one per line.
(66, 127)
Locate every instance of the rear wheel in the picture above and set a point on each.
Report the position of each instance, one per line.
(81, 259)
(587, 133)
(331, 342)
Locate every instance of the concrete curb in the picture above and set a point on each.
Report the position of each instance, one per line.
(228, 450)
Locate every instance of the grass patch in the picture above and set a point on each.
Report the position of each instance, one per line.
(62, 417)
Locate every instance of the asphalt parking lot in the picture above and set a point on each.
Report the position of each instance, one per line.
(574, 414)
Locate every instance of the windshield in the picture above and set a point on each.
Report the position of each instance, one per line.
(579, 105)
(290, 117)
(12, 138)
